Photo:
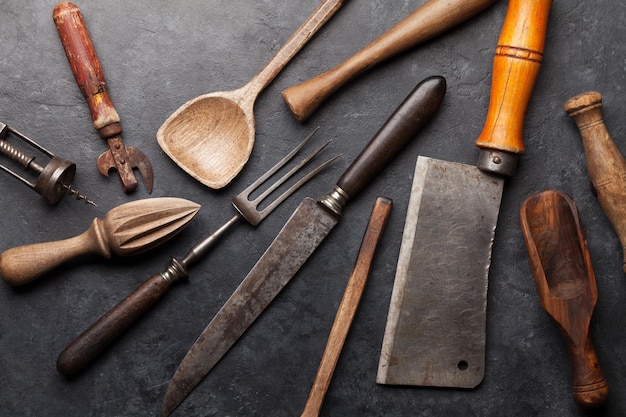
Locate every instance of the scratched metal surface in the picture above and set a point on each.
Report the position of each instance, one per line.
(156, 55)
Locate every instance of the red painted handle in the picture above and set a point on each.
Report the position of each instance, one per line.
(85, 64)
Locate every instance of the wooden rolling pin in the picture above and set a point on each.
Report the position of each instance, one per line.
(605, 163)
(128, 229)
(566, 284)
(431, 19)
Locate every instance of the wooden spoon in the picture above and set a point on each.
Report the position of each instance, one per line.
(211, 137)
(566, 284)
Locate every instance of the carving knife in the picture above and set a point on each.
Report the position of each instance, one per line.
(436, 325)
(304, 231)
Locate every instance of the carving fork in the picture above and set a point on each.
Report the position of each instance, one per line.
(93, 341)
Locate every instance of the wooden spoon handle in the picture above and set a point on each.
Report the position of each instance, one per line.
(605, 163)
(426, 22)
(349, 304)
(99, 336)
(23, 264)
(85, 64)
(589, 387)
(300, 37)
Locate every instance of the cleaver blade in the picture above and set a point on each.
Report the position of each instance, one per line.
(436, 324)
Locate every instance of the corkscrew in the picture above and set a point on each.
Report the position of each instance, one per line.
(54, 180)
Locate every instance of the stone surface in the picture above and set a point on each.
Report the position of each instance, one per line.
(156, 55)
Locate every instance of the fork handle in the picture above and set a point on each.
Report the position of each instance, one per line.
(406, 121)
(97, 338)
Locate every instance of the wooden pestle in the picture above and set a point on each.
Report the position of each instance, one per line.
(128, 229)
(566, 284)
(429, 20)
(605, 163)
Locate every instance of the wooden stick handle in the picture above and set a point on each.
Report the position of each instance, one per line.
(348, 306)
(515, 69)
(110, 327)
(589, 387)
(605, 163)
(426, 22)
(301, 36)
(24, 264)
(85, 65)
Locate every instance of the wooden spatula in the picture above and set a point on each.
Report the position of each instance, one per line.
(566, 284)
(128, 229)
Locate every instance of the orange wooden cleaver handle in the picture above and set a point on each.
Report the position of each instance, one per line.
(85, 65)
(515, 69)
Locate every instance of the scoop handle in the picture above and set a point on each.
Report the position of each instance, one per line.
(426, 22)
(589, 387)
(24, 264)
(516, 66)
(85, 64)
(605, 163)
(407, 120)
(87, 346)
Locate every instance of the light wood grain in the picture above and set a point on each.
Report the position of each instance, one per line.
(211, 137)
(128, 229)
(426, 22)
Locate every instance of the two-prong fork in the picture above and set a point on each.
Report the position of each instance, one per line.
(97, 338)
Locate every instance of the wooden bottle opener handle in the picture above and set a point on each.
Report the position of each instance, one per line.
(85, 65)
(515, 69)
(426, 22)
(605, 163)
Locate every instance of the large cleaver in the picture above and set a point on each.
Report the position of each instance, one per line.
(436, 325)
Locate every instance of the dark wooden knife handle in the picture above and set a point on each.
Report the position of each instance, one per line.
(407, 120)
(605, 163)
(97, 338)
(86, 67)
(515, 69)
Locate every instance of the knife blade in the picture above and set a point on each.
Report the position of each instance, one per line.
(304, 231)
(436, 324)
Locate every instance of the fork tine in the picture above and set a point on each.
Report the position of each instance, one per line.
(248, 208)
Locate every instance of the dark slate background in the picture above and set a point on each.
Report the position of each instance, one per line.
(158, 54)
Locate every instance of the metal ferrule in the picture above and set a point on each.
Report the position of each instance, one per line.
(175, 271)
(497, 162)
(336, 200)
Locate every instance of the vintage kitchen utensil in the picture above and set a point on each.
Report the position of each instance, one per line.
(347, 308)
(436, 325)
(566, 284)
(303, 232)
(99, 336)
(605, 163)
(54, 180)
(211, 136)
(88, 73)
(128, 229)
(427, 21)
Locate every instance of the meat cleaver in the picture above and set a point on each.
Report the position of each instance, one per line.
(436, 324)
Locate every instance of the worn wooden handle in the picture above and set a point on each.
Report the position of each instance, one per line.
(85, 64)
(110, 327)
(349, 304)
(407, 120)
(426, 22)
(515, 69)
(605, 163)
(294, 44)
(23, 264)
(589, 387)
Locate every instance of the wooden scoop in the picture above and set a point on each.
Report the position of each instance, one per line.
(429, 20)
(564, 276)
(128, 229)
(211, 137)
